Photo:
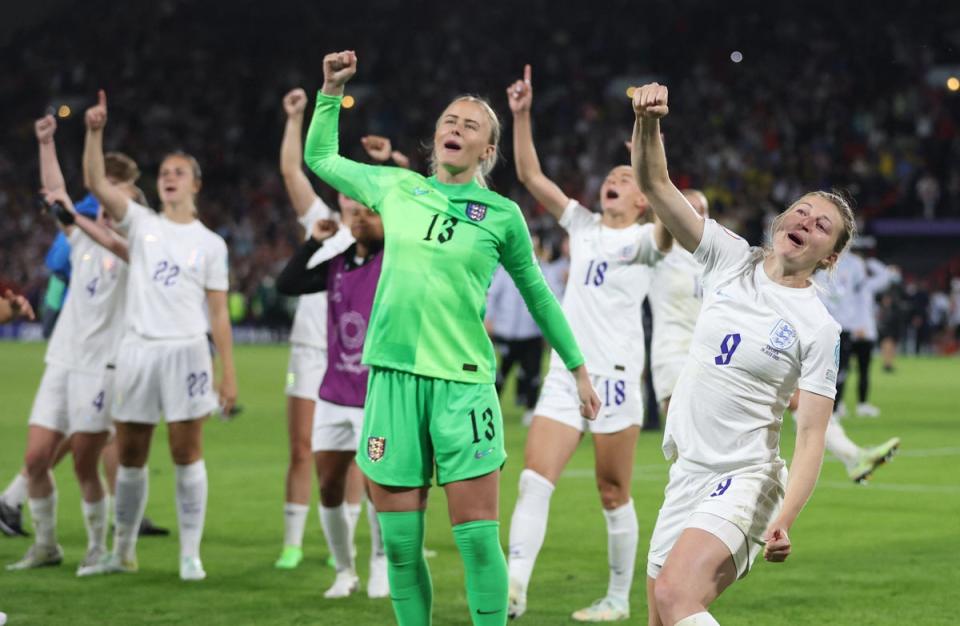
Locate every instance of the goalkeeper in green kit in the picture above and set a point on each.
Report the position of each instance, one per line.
(431, 400)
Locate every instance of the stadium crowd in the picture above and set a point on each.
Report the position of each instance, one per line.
(889, 141)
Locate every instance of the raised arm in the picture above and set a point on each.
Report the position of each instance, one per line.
(69, 219)
(544, 190)
(366, 184)
(51, 176)
(650, 167)
(381, 150)
(299, 190)
(110, 197)
(812, 413)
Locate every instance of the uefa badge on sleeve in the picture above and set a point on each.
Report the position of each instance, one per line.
(476, 211)
(376, 446)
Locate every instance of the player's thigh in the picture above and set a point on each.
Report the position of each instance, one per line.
(653, 615)
(549, 446)
(466, 430)
(474, 499)
(389, 499)
(300, 425)
(699, 568)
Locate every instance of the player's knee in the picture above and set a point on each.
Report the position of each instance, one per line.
(613, 493)
(300, 454)
(37, 463)
(332, 489)
(667, 593)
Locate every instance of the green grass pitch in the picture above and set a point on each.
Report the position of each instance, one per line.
(878, 554)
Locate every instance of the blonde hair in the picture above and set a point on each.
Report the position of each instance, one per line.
(120, 167)
(189, 158)
(486, 165)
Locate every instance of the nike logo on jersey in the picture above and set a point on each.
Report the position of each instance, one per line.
(480, 454)
(420, 191)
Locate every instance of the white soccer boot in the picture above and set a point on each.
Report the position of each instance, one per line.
(603, 610)
(191, 568)
(865, 409)
(91, 560)
(38, 556)
(516, 600)
(378, 585)
(346, 583)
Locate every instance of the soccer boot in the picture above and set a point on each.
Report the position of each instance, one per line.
(149, 529)
(38, 556)
(290, 558)
(11, 520)
(345, 584)
(872, 458)
(93, 558)
(516, 600)
(378, 586)
(865, 409)
(603, 610)
(191, 568)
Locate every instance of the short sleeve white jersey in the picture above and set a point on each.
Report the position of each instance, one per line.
(91, 322)
(755, 342)
(675, 296)
(172, 265)
(609, 277)
(841, 290)
(310, 319)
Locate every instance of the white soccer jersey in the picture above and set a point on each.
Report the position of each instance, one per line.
(171, 267)
(756, 341)
(310, 319)
(840, 290)
(608, 279)
(675, 296)
(90, 325)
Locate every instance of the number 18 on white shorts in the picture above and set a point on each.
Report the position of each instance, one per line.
(621, 405)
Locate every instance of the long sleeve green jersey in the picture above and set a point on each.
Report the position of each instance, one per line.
(442, 244)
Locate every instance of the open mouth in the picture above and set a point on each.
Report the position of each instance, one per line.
(169, 189)
(612, 194)
(796, 239)
(452, 145)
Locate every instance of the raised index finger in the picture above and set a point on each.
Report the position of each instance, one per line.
(527, 73)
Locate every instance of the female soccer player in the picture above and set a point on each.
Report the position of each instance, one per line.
(308, 337)
(610, 260)
(73, 400)
(431, 399)
(761, 334)
(349, 280)
(164, 364)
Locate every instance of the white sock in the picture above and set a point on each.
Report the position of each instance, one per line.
(336, 528)
(294, 521)
(376, 539)
(353, 510)
(16, 492)
(528, 526)
(698, 619)
(191, 506)
(95, 519)
(129, 503)
(44, 514)
(840, 445)
(622, 536)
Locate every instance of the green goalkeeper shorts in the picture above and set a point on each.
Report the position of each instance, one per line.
(412, 423)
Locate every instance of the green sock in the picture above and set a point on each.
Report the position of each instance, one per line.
(486, 571)
(411, 590)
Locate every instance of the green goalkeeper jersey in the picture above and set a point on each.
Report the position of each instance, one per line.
(442, 245)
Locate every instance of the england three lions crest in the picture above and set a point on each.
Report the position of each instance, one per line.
(376, 447)
(476, 211)
(783, 336)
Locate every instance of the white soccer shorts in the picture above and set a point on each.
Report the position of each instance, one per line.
(336, 427)
(736, 507)
(305, 371)
(70, 401)
(172, 377)
(621, 405)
